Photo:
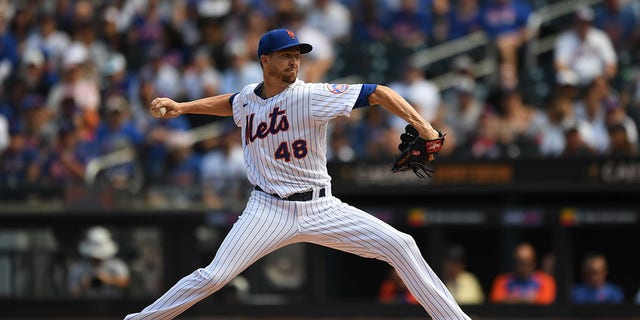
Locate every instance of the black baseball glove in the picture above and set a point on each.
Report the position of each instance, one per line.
(416, 152)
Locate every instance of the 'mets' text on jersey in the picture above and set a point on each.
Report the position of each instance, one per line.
(262, 129)
(285, 136)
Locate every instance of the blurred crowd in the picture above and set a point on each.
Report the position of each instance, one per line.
(99, 261)
(77, 76)
(530, 280)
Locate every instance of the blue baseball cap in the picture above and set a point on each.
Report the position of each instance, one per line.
(280, 39)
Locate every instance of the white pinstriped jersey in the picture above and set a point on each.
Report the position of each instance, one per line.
(285, 152)
(284, 137)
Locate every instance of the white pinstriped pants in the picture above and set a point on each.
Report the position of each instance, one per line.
(269, 223)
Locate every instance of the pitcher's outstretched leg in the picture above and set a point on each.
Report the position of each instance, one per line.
(349, 229)
(255, 234)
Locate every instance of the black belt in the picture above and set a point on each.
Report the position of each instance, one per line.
(300, 196)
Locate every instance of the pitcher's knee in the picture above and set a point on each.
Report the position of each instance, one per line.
(407, 241)
(210, 280)
(399, 247)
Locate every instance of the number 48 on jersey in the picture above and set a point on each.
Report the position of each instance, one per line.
(298, 150)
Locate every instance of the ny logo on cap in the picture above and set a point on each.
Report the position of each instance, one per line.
(291, 34)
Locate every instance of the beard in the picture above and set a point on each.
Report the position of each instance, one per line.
(287, 76)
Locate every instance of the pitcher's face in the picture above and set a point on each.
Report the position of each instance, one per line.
(284, 64)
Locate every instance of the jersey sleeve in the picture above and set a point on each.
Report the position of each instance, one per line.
(329, 100)
(239, 101)
(498, 289)
(524, 13)
(608, 51)
(562, 53)
(547, 292)
(236, 106)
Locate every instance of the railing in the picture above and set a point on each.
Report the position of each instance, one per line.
(127, 155)
(487, 66)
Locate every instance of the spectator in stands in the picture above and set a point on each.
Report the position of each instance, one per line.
(566, 85)
(332, 17)
(117, 131)
(162, 72)
(99, 273)
(340, 146)
(39, 131)
(438, 23)
(463, 285)
(79, 83)
(66, 163)
(182, 178)
(393, 290)
(23, 19)
(135, 53)
(213, 39)
(148, 22)
(548, 263)
(184, 20)
(575, 146)
(616, 114)
(520, 125)
(373, 135)
(590, 111)
(250, 30)
(244, 19)
(155, 147)
(109, 30)
(4, 132)
(35, 73)
(367, 22)
(585, 50)
(84, 34)
(620, 145)
(340, 149)
(507, 24)
(70, 112)
(318, 62)
(464, 18)
(451, 147)
(114, 76)
(243, 69)
(117, 125)
(139, 99)
(617, 19)
(463, 109)
(48, 38)
(223, 170)
(393, 5)
(19, 163)
(526, 284)
(595, 288)
(406, 25)
(463, 67)
(8, 51)
(558, 119)
(483, 141)
(200, 78)
(423, 93)
(630, 95)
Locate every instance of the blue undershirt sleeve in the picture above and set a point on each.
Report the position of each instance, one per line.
(233, 96)
(363, 97)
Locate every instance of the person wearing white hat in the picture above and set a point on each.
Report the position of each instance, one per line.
(585, 50)
(99, 273)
